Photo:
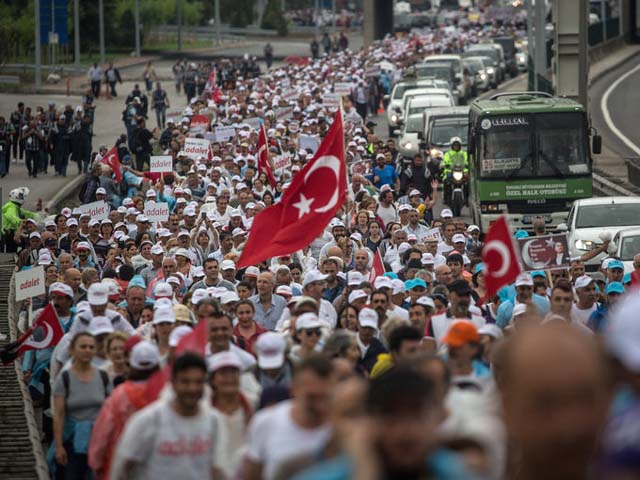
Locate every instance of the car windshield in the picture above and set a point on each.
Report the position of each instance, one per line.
(452, 62)
(492, 53)
(474, 65)
(608, 215)
(444, 129)
(630, 247)
(414, 124)
(442, 101)
(400, 89)
(442, 72)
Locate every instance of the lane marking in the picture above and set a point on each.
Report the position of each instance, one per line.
(607, 117)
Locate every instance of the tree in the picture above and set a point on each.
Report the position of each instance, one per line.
(238, 13)
(273, 18)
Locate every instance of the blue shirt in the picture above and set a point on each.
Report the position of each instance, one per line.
(269, 318)
(387, 175)
(505, 310)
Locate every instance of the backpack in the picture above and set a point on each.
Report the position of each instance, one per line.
(66, 382)
(82, 195)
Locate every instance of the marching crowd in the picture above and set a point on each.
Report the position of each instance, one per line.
(372, 352)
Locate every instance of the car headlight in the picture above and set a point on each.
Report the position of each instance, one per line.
(522, 58)
(491, 70)
(394, 118)
(483, 76)
(407, 146)
(435, 152)
(457, 176)
(585, 245)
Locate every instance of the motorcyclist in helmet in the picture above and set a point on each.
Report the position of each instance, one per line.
(12, 217)
(455, 156)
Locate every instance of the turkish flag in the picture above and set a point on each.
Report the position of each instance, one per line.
(377, 267)
(45, 332)
(195, 342)
(501, 265)
(308, 204)
(111, 158)
(263, 156)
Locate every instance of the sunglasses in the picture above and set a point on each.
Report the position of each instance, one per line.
(312, 331)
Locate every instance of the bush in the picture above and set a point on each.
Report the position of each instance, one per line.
(273, 18)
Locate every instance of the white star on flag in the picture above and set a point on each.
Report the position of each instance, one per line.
(303, 205)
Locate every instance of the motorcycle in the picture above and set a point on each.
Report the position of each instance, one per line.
(458, 187)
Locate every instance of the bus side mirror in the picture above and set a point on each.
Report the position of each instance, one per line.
(596, 144)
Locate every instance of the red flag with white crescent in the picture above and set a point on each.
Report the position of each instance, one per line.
(501, 265)
(263, 156)
(308, 204)
(45, 332)
(111, 158)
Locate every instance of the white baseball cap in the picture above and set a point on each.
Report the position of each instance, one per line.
(157, 250)
(354, 278)
(446, 213)
(368, 317)
(229, 297)
(284, 290)
(223, 359)
(313, 276)
(427, 259)
(398, 286)
(583, 281)
(308, 320)
(491, 329)
(162, 290)
(101, 191)
(252, 271)
(178, 333)
(357, 295)
(100, 325)
(199, 295)
(227, 265)
(61, 288)
(426, 301)
(382, 282)
(144, 356)
(524, 279)
(163, 315)
(458, 238)
(270, 348)
(98, 294)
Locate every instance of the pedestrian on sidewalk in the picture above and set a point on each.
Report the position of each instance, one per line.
(326, 43)
(33, 143)
(190, 79)
(6, 134)
(160, 103)
(142, 144)
(315, 49)
(268, 55)
(60, 143)
(17, 120)
(113, 76)
(149, 75)
(95, 77)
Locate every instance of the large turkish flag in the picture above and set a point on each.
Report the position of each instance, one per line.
(501, 265)
(308, 204)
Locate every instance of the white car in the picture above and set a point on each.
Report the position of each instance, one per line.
(592, 218)
(626, 245)
(409, 144)
(395, 99)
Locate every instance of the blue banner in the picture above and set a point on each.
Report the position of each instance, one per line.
(59, 12)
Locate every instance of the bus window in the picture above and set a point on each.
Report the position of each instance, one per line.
(561, 145)
(506, 153)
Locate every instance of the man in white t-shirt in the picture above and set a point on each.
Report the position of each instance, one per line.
(586, 304)
(292, 428)
(173, 439)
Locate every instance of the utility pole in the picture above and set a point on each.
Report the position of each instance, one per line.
(76, 32)
(101, 22)
(317, 11)
(218, 26)
(333, 9)
(179, 15)
(541, 46)
(38, 41)
(136, 15)
(53, 30)
(603, 19)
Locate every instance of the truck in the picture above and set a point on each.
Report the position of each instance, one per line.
(530, 156)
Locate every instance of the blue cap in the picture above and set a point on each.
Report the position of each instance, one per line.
(137, 281)
(416, 282)
(390, 275)
(615, 264)
(479, 268)
(627, 278)
(521, 234)
(614, 287)
(538, 273)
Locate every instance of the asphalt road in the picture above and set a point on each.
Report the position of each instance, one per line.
(614, 100)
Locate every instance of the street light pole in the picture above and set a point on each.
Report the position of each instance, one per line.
(101, 22)
(333, 8)
(179, 15)
(218, 26)
(38, 41)
(76, 32)
(317, 10)
(136, 15)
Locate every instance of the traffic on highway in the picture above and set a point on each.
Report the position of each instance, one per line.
(371, 263)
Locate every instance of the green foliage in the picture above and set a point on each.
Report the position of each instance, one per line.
(273, 18)
(237, 13)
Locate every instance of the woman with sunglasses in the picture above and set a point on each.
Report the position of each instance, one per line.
(308, 333)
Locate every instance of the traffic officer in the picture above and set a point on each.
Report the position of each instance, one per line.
(12, 216)
(455, 156)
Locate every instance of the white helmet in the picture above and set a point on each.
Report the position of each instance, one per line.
(454, 140)
(18, 195)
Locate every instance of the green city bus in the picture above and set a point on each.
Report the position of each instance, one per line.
(529, 156)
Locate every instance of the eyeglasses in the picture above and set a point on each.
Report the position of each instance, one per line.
(312, 331)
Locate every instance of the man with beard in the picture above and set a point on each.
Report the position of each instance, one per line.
(335, 285)
(459, 303)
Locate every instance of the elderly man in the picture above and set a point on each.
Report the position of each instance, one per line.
(269, 307)
(313, 286)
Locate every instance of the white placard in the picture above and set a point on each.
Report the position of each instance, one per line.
(30, 283)
(342, 88)
(284, 112)
(196, 147)
(281, 161)
(96, 210)
(309, 142)
(433, 234)
(290, 94)
(253, 122)
(331, 100)
(161, 164)
(224, 134)
(156, 212)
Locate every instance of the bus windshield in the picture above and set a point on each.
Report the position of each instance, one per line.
(539, 145)
(444, 129)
